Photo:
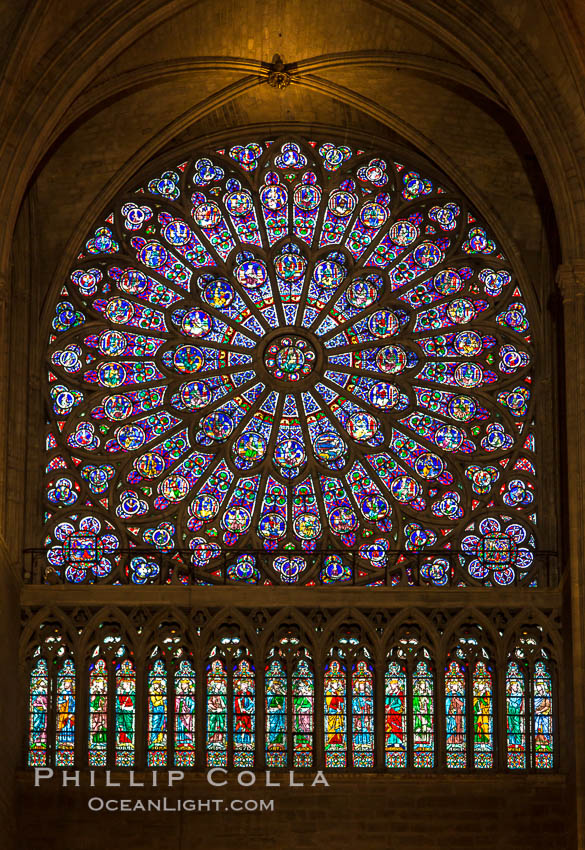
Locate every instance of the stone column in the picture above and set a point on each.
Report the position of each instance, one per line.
(4, 366)
(571, 282)
(10, 704)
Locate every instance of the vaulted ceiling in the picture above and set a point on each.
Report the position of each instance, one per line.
(491, 92)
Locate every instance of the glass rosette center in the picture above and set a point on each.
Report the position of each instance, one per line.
(289, 358)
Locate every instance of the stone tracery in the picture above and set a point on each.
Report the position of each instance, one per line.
(292, 345)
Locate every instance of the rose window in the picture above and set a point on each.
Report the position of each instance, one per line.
(277, 351)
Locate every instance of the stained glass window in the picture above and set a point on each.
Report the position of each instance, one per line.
(38, 702)
(217, 740)
(125, 710)
(516, 716)
(157, 714)
(395, 716)
(244, 713)
(292, 362)
(65, 714)
(411, 708)
(542, 716)
(455, 715)
(423, 716)
(185, 714)
(483, 716)
(335, 696)
(276, 700)
(303, 694)
(291, 344)
(362, 712)
(98, 713)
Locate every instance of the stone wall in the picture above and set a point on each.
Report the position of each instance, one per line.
(365, 812)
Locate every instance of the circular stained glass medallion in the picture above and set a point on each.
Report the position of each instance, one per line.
(257, 356)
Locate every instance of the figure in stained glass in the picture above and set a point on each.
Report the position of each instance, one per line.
(98, 712)
(38, 699)
(543, 716)
(157, 714)
(303, 717)
(65, 714)
(275, 684)
(184, 715)
(244, 711)
(205, 381)
(125, 712)
(395, 716)
(335, 715)
(217, 714)
(482, 716)
(362, 709)
(516, 716)
(455, 715)
(423, 716)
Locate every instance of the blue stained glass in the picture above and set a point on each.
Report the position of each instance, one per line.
(351, 284)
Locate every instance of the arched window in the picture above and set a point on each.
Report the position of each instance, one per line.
(516, 715)
(349, 703)
(231, 708)
(98, 713)
(244, 712)
(217, 712)
(335, 709)
(158, 713)
(38, 700)
(423, 715)
(483, 715)
(65, 714)
(303, 719)
(111, 707)
(469, 700)
(456, 714)
(125, 712)
(185, 707)
(396, 735)
(295, 362)
(276, 708)
(529, 704)
(292, 362)
(289, 688)
(362, 714)
(360, 708)
(542, 714)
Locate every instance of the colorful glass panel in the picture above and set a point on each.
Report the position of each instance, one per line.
(483, 716)
(395, 716)
(276, 714)
(98, 713)
(360, 376)
(216, 730)
(362, 714)
(244, 714)
(65, 715)
(335, 693)
(125, 713)
(423, 716)
(157, 714)
(542, 717)
(38, 703)
(455, 717)
(303, 696)
(185, 715)
(516, 716)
